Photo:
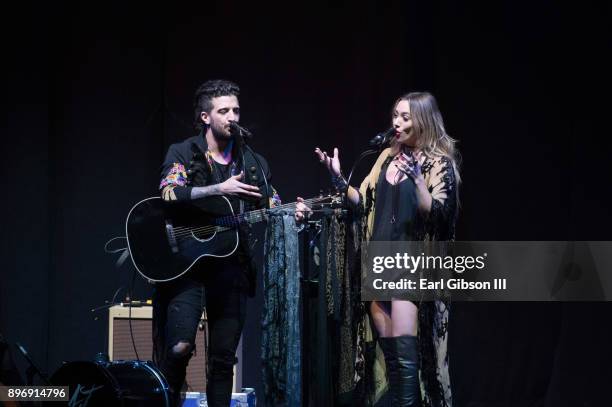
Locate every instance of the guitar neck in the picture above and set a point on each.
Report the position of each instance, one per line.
(259, 215)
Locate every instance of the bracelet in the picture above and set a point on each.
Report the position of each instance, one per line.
(339, 182)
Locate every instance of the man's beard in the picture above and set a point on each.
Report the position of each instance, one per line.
(220, 133)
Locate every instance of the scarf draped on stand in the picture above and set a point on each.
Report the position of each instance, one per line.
(281, 331)
(337, 305)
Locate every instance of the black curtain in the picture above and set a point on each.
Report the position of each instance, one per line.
(95, 95)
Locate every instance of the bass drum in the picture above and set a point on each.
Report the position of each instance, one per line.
(120, 383)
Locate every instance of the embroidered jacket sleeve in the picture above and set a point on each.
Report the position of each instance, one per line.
(173, 185)
(442, 185)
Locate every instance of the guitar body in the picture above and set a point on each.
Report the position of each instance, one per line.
(166, 239)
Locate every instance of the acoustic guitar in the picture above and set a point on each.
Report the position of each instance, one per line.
(165, 239)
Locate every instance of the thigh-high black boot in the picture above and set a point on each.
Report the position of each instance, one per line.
(401, 358)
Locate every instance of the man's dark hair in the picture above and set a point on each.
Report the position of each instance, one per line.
(202, 101)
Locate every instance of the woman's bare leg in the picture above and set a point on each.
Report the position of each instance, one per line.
(402, 321)
(382, 319)
(404, 318)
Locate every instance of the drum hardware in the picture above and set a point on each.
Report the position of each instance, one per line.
(32, 369)
(117, 383)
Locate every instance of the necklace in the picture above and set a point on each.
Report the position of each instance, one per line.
(218, 169)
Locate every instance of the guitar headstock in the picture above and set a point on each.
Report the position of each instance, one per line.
(328, 199)
(336, 199)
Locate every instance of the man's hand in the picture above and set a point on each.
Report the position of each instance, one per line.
(302, 211)
(232, 186)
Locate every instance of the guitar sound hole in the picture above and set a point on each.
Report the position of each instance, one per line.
(202, 235)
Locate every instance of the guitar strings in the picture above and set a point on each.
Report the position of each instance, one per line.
(257, 214)
(182, 232)
(235, 218)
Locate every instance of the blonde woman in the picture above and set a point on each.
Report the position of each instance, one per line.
(410, 194)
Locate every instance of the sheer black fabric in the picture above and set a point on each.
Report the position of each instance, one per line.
(437, 225)
(396, 209)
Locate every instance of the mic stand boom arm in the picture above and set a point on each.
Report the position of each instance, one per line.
(348, 181)
(379, 142)
(361, 157)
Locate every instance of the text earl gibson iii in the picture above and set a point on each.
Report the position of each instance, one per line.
(442, 284)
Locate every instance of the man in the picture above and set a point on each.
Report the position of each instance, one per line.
(210, 164)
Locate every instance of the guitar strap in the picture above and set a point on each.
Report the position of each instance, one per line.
(198, 172)
(219, 178)
(203, 171)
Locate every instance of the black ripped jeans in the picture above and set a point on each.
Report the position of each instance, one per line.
(177, 308)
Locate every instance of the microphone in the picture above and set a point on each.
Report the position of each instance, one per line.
(238, 130)
(381, 140)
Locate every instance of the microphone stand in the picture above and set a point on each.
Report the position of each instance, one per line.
(240, 143)
(241, 135)
(361, 157)
(378, 143)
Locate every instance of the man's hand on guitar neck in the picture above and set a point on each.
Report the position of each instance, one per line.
(232, 186)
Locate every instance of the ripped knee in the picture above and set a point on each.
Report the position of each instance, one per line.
(182, 349)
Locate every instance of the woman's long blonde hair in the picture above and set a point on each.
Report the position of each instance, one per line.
(428, 127)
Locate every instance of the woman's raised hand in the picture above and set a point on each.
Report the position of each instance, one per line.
(411, 164)
(332, 163)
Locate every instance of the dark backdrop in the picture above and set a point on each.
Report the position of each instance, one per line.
(94, 96)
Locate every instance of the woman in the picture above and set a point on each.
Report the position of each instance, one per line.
(410, 194)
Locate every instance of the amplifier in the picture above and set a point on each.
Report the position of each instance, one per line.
(120, 344)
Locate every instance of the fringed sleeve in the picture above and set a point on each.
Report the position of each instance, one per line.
(442, 185)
